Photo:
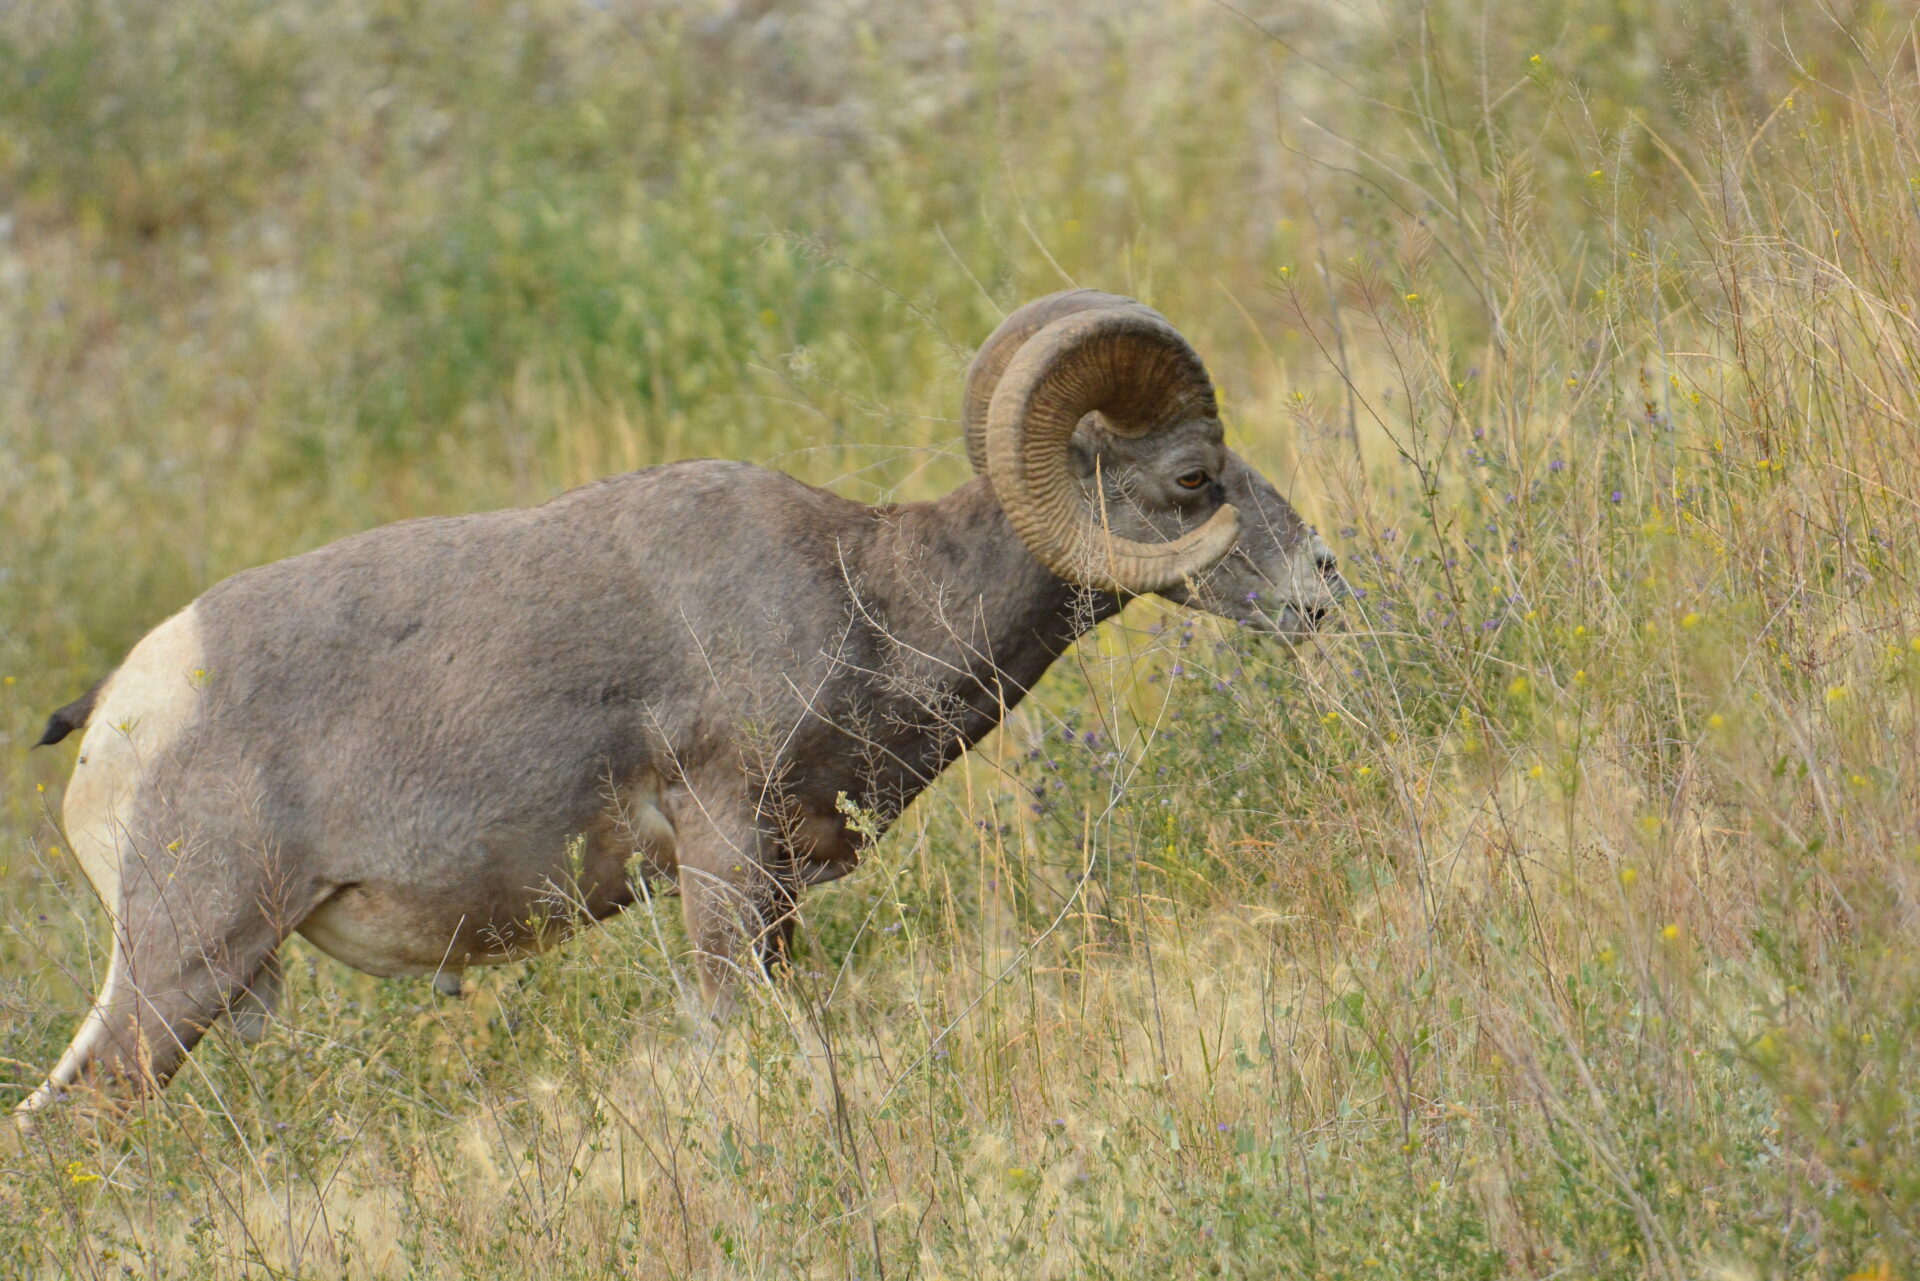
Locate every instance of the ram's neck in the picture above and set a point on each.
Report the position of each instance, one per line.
(971, 619)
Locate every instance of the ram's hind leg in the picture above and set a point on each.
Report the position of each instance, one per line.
(86, 1044)
(195, 935)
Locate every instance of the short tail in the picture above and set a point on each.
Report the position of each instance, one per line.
(71, 717)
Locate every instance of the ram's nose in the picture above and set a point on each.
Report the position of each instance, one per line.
(1328, 567)
(1332, 586)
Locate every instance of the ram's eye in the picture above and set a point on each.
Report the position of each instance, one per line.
(1192, 480)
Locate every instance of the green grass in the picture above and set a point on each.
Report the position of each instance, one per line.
(1555, 917)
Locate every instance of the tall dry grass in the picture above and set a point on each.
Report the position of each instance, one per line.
(1554, 917)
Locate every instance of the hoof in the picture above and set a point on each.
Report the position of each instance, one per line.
(447, 983)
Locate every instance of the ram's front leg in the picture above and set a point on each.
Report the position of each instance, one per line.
(738, 894)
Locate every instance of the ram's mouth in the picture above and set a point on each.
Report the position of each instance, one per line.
(1287, 623)
(1285, 620)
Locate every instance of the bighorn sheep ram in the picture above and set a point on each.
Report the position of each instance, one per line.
(445, 742)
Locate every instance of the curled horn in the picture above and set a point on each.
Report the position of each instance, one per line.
(991, 361)
(1091, 353)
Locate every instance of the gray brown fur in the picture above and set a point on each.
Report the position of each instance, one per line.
(445, 742)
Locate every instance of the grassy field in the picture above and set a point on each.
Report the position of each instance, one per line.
(1555, 916)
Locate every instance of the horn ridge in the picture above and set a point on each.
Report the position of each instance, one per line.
(1129, 364)
(991, 361)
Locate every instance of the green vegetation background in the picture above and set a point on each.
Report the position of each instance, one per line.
(1557, 917)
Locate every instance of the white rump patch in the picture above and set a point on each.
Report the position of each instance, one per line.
(147, 704)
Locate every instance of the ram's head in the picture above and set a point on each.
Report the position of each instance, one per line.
(1097, 424)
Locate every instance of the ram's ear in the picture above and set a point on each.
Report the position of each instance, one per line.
(1083, 453)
